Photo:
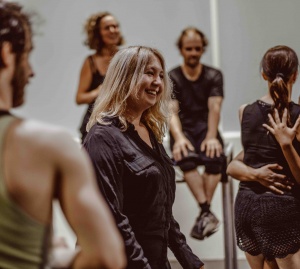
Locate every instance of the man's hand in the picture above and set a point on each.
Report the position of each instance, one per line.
(267, 177)
(181, 148)
(212, 147)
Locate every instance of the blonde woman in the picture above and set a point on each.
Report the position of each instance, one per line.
(133, 170)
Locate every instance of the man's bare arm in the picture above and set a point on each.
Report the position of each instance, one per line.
(85, 209)
(211, 144)
(182, 144)
(267, 175)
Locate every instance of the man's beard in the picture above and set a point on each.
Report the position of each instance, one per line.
(18, 85)
(193, 64)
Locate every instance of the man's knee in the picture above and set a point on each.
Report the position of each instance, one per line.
(216, 166)
(189, 162)
(213, 169)
(187, 165)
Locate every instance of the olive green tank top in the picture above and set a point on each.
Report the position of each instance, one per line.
(23, 240)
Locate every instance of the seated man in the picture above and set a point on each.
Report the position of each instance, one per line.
(194, 136)
(40, 163)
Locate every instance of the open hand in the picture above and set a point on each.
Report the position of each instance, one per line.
(181, 148)
(269, 178)
(212, 147)
(283, 134)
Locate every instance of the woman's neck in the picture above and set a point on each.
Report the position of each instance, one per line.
(108, 51)
(133, 117)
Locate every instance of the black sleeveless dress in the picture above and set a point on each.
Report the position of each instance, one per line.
(266, 223)
(97, 79)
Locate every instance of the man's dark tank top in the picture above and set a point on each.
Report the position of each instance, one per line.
(260, 146)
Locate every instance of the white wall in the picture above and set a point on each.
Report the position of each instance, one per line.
(247, 30)
(59, 50)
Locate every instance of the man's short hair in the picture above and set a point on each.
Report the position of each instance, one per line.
(195, 30)
(13, 25)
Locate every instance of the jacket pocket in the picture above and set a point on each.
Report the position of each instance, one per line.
(139, 164)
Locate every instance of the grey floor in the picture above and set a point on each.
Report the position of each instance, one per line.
(242, 264)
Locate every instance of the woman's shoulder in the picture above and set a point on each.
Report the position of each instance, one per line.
(295, 106)
(250, 110)
(108, 128)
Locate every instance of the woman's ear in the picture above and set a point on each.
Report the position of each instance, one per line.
(264, 76)
(295, 76)
(7, 55)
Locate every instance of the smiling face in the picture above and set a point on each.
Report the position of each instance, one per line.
(149, 88)
(109, 30)
(192, 49)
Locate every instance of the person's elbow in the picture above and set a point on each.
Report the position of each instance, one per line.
(113, 257)
(78, 100)
(116, 259)
(103, 259)
(229, 170)
(108, 254)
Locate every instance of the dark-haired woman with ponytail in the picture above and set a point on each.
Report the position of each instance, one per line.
(267, 206)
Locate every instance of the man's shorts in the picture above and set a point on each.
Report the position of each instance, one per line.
(195, 158)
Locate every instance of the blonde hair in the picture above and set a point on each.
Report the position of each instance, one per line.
(122, 79)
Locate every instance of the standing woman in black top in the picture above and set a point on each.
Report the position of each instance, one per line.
(134, 172)
(267, 206)
(103, 36)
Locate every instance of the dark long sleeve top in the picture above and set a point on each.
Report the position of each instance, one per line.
(138, 182)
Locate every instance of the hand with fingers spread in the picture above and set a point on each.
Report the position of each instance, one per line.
(181, 147)
(267, 176)
(283, 134)
(212, 147)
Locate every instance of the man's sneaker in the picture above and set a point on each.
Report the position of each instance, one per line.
(206, 225)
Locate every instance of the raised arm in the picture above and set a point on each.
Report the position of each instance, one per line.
(285, 136)
(85, 209)
(182, 144)
(83, 96)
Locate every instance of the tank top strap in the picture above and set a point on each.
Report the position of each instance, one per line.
(92, 64)
(5, 123)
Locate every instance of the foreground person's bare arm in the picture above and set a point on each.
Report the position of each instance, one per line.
(85, 209)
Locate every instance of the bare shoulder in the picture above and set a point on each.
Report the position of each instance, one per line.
(174, 106)
(241, 111)
(42, 137)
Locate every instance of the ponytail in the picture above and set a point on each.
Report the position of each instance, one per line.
(280, 96)
(279, 64)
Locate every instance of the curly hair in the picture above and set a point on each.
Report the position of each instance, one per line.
(92, 28)
(279, 64)
(122, 79)
(195, 30)
(13, 25)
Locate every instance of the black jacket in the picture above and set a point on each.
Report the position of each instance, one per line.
(138, 183)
